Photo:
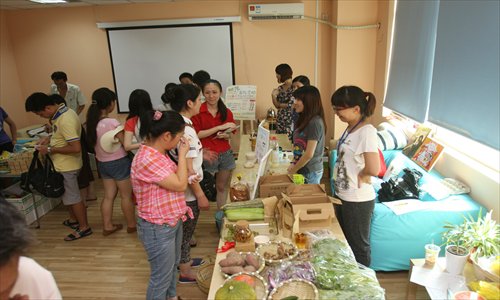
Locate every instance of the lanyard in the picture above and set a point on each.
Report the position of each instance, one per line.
(342, 138)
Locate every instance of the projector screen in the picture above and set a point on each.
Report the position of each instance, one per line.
(150, 57)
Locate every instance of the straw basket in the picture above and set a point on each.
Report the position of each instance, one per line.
(300, 288)
(272, 248)
(204, 276)
(260, 288)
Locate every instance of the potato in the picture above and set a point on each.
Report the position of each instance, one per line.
(249, 268)
(253, 261)
(232, 270)
(232, 261)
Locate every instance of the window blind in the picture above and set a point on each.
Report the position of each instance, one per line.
(465, 82)
(412, 58)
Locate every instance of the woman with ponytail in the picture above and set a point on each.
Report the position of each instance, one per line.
(139, 102)
(112, 160)
(212, 125)
(159, 184)
(357, 161)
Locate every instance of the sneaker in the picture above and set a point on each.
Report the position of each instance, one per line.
(197, 262)
(186, 280)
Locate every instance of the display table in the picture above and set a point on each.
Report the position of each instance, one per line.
(217, 277)
(439, 267)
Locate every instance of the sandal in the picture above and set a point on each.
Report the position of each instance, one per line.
(72, 225)
(79, 234)
(116, 227)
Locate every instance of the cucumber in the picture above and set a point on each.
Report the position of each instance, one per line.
(256, 203)
(249, 214)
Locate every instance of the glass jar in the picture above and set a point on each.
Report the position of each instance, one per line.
(242, 232)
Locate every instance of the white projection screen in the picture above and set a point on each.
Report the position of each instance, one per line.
(150, 57)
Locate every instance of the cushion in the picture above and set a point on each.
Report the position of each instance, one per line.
(383, 166)
(391, 138)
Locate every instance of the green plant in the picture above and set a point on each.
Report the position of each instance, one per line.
(481, 235)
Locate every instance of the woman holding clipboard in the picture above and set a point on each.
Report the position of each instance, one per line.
(214, 125)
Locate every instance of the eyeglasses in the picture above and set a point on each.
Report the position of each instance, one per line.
(338, 108)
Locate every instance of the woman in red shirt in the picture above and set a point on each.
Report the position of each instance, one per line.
(214, 125)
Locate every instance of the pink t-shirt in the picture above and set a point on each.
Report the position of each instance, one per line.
(105, 125)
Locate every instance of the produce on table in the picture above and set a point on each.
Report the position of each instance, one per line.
(282, 251)
(235, 290)
(240, 262)
(289, 270)
(489, 290)
(249, 214)
(257, 203)
(339, 276)
(246, 278)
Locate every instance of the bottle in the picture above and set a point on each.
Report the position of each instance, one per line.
(275, 155)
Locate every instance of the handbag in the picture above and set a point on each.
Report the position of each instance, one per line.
(43, 178)
(405, 187)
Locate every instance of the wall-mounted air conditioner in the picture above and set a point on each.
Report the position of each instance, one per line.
(275, 11)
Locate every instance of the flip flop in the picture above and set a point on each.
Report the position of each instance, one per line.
(80, 234)
(72, 225)
(186, 280)
(116, 227)
(197, 261)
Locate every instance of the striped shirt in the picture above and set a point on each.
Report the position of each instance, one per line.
(154, 203)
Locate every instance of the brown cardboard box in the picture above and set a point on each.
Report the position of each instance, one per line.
(274, 185)
(305, 208)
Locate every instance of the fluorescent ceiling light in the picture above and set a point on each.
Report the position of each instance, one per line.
(49, 1)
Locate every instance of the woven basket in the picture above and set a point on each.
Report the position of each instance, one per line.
(482, 273)
(261, 262)
(300, 288)
(204, 276)
(272, 247)
(260, 288)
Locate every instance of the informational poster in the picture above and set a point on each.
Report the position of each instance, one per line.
(262, 143)
(240, 99)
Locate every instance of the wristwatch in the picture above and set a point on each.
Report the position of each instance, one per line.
(49, 149)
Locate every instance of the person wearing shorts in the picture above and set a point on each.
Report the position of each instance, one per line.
(64, 149)
(106, 136)
(214, 125)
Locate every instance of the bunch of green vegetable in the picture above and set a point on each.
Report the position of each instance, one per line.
(244, 210)
(339, 276)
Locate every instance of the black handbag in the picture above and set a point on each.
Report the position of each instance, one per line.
(405, 187)
(43, 178)
(208, 186)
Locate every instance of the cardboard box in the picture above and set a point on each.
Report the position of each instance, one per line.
(274, 185)
(304, 208)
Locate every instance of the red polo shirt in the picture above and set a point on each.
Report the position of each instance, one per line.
(204, 120)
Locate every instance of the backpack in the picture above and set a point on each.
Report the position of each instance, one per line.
(43, 178)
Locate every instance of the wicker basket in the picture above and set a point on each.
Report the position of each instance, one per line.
(261, 261)
(272, 247)
(260, 288)
(300, 288)
(204, 276)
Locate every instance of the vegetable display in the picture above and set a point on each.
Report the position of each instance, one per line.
(289, 270)
(249, 214)
(240, 262)
(338, 275)
(235, 290)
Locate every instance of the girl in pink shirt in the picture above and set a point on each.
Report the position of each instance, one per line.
(114, 166)
(159, 186)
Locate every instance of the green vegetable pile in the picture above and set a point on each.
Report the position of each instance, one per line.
(338, 275)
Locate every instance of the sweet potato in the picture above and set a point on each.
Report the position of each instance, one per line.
(252, 260)
(232, 270)
(249, 268)
(232, 261)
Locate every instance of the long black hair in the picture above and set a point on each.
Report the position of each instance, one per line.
(101, 99)
(221, 107)
(139, 102)
(156, 123)
(179, 95)
(311, 99)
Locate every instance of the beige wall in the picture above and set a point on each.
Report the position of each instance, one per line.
(37, 42)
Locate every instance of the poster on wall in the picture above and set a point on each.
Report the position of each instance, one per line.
(262, 142)
(240, 99)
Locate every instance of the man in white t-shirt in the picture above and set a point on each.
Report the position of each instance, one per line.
(71, 93)
(21, 278)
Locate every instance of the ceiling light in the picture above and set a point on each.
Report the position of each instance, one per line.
(49, 1)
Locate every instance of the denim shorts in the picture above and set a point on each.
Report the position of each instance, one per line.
(116, 169)
(313, 177)
(225, 162)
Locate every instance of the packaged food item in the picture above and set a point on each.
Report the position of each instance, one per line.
(239, 191)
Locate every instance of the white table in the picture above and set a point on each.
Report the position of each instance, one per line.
(217, 277)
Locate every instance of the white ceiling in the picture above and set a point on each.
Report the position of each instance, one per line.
(26, 4)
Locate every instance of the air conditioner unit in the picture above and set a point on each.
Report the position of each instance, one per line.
(275, 11)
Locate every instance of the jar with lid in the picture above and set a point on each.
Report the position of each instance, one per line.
(273, 144)
(242, 232)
